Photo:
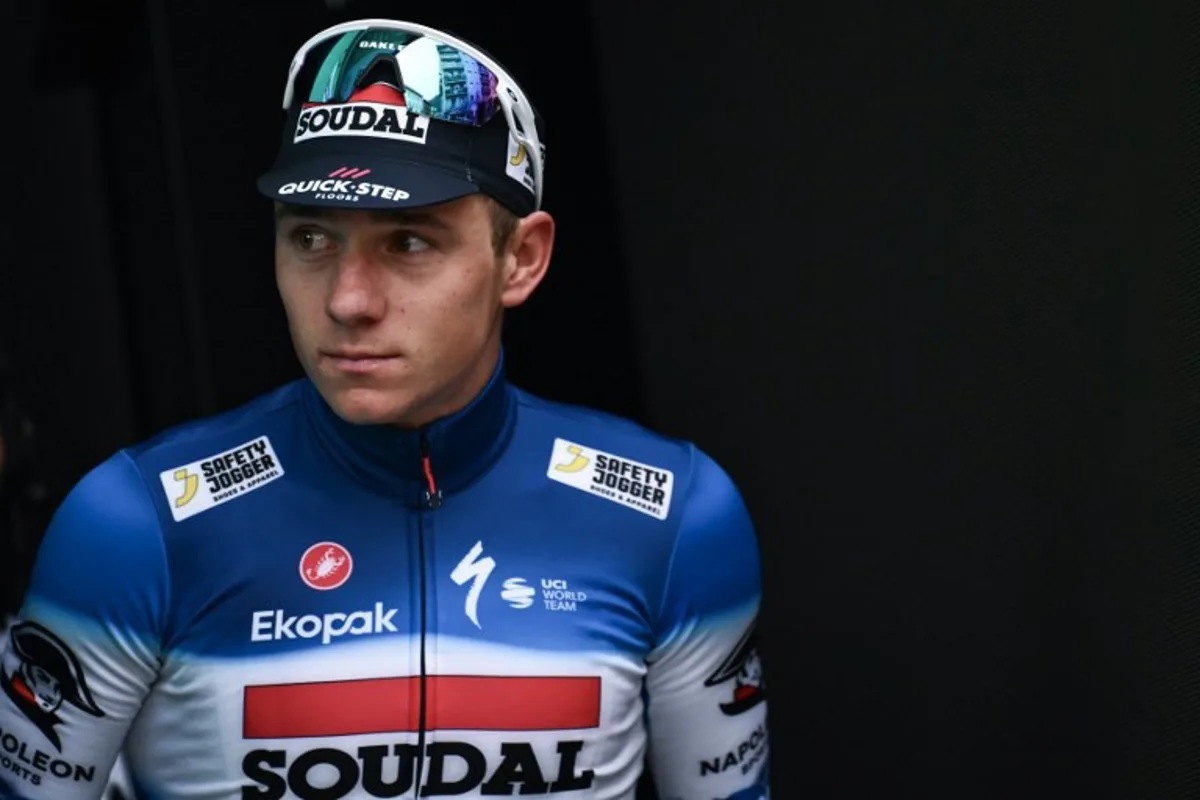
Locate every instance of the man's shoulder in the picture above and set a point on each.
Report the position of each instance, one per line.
(582, 446)
(132, 472)
(213, 435)
(593, 429)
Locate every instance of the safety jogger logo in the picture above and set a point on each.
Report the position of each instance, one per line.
(638, 486)
(211, 481)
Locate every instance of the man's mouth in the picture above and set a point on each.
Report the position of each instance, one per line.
(359, 362)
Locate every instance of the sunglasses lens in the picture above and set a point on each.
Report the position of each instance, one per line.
(435, 80)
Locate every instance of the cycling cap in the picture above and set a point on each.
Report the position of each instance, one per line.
(389, 114)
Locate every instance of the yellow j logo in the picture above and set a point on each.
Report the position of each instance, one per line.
(190, 484)
(578, 463)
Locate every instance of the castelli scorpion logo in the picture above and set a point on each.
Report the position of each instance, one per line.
(326, 565)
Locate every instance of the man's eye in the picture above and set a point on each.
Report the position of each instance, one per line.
(408, 243)
(310, 240)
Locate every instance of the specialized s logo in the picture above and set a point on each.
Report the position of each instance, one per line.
(47, 675)
(477, 570)
(744, 667)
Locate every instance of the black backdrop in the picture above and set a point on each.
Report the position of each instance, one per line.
(922, 279)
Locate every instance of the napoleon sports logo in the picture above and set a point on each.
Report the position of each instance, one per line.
(49, 675)
(748, 754)
(743, 668)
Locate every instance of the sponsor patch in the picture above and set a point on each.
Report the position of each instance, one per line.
(743, 670)
(377, 120)
(518, 165)
(632, 484)
(556, 594)
(343, 185)
(217, 479)
(447, 768)
(744, 758)
(277, 625)
(46, 682)
(48, 674)
(325, 566)
(511, 705)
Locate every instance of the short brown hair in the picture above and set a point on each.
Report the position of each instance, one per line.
(504, 222)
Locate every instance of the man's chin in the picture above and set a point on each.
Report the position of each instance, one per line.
(362, 406)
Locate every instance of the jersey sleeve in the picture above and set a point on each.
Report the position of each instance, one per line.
(705, 695)
(84, 649)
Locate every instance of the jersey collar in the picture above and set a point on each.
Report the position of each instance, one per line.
(389, 460)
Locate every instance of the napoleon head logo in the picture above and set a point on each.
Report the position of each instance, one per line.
(744, 668)
(47, 674)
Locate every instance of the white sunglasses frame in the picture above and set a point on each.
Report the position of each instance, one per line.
(518, 111)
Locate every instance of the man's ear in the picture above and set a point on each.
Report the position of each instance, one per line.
(527, 257)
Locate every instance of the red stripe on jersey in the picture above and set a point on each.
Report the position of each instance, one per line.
(390, 705)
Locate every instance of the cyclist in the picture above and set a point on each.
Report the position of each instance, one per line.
(401, 572)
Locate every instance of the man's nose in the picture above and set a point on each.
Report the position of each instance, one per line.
(356, 295)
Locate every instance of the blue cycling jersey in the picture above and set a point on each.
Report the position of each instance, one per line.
(524, 598)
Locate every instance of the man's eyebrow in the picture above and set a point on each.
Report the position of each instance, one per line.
(398, 216)
(284, 211)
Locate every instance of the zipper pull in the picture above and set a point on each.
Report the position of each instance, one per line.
(433, 495)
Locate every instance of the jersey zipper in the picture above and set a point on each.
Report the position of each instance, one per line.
(433, 495)
(432, 500)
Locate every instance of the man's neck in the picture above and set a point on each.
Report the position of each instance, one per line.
(459, 393)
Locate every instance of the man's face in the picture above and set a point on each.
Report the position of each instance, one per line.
(45, 688)
(751, 672)
(395, 316)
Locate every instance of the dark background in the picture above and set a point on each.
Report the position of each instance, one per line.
(922, 279)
